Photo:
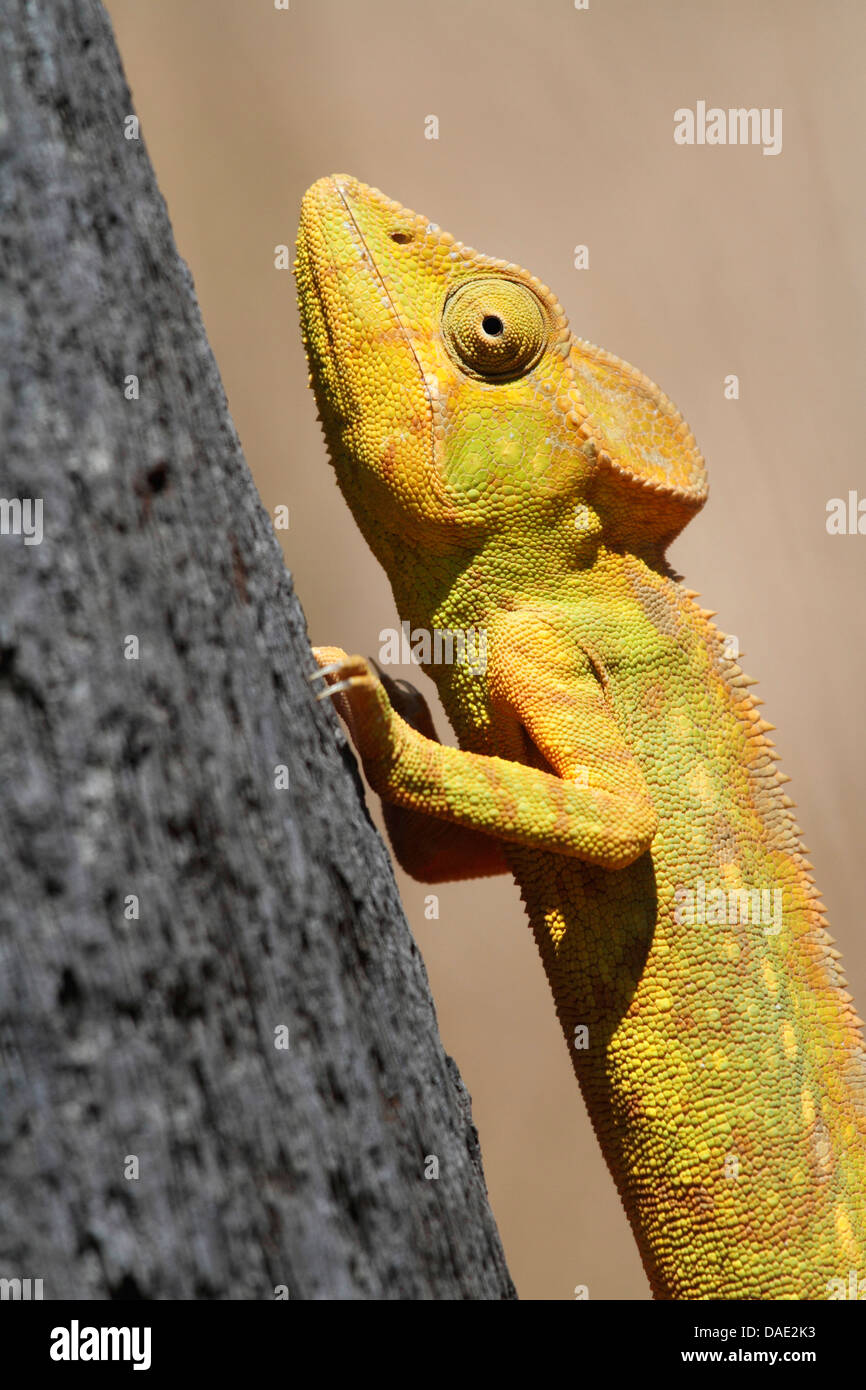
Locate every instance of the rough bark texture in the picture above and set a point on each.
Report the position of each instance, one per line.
(258, 907)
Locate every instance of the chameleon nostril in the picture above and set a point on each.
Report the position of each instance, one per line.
(401, 237)
(492, 325)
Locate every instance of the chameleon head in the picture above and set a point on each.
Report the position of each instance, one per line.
(457, 404)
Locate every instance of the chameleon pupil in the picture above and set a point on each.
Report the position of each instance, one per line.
(494, 328)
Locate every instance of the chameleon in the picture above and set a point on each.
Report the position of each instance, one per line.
(521, 484)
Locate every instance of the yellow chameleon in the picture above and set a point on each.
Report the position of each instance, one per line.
(521, 487)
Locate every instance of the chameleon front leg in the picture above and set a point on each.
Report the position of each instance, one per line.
(608, 819)
(430, 849)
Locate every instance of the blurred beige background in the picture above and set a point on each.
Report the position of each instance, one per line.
(556, 128)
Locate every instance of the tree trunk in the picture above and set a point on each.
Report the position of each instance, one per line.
(171, 915)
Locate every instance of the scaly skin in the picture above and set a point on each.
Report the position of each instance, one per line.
(516, 480)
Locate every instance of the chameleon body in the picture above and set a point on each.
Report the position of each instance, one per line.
(517, 481)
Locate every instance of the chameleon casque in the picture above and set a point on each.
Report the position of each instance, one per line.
(516, 480)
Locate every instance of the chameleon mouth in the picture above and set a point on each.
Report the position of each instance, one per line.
(353, 303)
(332, 242)
(373, 395)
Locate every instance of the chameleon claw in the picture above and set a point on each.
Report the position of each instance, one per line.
(331, 670)
(334, 689)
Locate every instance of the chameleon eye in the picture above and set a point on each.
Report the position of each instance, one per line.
(494, 327)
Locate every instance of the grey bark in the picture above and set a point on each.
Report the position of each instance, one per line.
(258, 907)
